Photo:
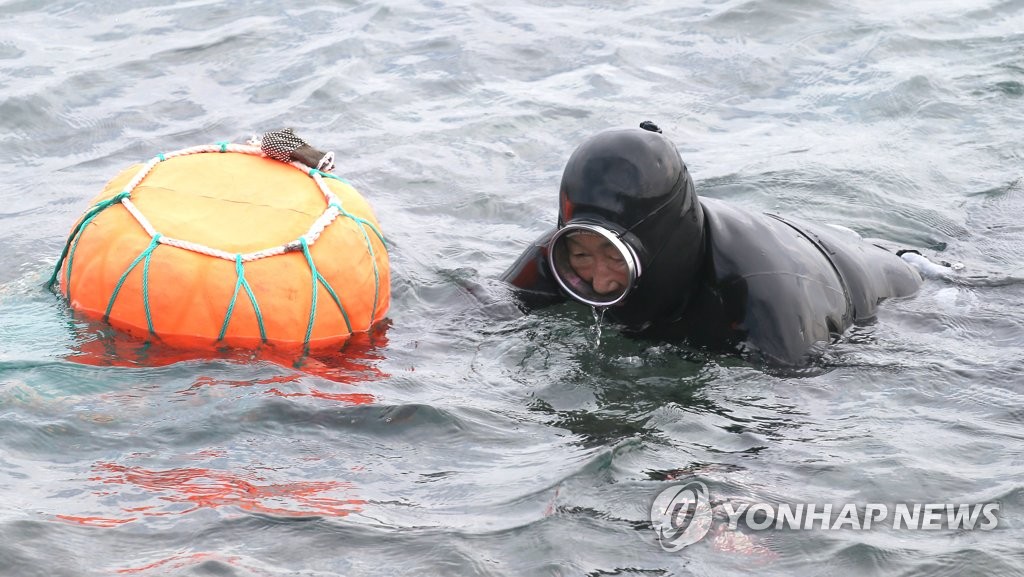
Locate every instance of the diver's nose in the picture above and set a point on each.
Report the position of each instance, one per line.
(606, 280)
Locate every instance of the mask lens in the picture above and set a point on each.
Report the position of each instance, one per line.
(593, 265)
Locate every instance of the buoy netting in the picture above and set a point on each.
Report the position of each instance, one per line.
(220, 245)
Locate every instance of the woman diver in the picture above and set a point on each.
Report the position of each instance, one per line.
(634, 238)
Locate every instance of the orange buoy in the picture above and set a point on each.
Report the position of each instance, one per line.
(220, 245)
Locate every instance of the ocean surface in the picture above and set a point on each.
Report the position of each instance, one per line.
(464, 438)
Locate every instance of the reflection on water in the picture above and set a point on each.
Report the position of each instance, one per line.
(355, 361)
(212, 562)
(186, 490)
(294, 380)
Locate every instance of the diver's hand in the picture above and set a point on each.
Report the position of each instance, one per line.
(929, 269)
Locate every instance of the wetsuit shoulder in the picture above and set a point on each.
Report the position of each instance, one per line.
(780, 293)
(531, 278)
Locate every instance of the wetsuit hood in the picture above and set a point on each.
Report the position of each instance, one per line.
(634, 183)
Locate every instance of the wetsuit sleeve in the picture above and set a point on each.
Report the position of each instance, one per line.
(531, 278)
(789, 317)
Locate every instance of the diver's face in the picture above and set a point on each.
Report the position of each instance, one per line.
(598, 262)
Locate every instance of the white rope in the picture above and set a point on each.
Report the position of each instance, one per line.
(196, 247)
(325, 219)
(148, 226)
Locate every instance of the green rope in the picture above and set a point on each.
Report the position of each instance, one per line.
(312, 307)
(256, 309)
(337, 301)
(313, 171)
(145, 281)
(376, 273)
(345, 212)
(240, 283)
(117, 288)
(318, 278)
(73, 238)
(360, 220)
(369, 248)
(71, 255)
(234, 297)
(365, 222)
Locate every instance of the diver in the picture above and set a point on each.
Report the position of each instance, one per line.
(634, 238)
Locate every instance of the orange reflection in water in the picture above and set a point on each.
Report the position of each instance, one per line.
(189, 489)
(350, 398)
(95, 521)
(181, 561)
(352, 362)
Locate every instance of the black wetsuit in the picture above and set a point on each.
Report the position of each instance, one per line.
(713, 274)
